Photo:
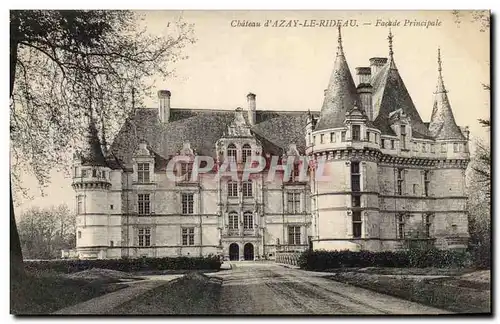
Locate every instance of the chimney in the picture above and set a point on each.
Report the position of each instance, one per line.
(251, 108)
(365, 90)
(164, 105)
(376, 63)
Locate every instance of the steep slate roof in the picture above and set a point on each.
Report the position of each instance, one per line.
(340, 95)
(443, 125)
(390, 94)
(202, 129)
(91, 153)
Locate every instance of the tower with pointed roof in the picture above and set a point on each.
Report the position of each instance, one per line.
(92, 180)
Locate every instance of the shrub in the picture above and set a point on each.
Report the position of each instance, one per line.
(321, 260)
(127, 265)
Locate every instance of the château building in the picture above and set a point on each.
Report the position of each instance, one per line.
(395, 180)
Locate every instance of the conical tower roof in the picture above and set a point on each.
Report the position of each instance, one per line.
(443, 125)
(340, 95)
(390, 94)
(91, 153)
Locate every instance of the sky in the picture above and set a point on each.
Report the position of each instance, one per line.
(288, 67)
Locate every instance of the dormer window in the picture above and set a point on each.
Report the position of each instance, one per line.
(246, 153)
(186, 170)
(231, 152)
(143, 172)
(403, 137)
(356, 132)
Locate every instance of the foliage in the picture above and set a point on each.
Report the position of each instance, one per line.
(71, 65)
(417, 258)
(44, 232)
(128, 265)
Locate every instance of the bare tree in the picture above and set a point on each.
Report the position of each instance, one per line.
(67, 67)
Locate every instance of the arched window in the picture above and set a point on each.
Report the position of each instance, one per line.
(231, 152)
(233, 220)
(247, 188)
(246, 153)
(248, 220)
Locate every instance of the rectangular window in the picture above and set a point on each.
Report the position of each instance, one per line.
(356, 201)
(443, 148)
(427, 182)
(314, 139)
(376, 138)
(111, 243)
(79, 234)
(342, 136)
(392, 145)
(188, 236)
(332, 137)
(382, 143)
(428, 224)
(455, 147)
(247, 221)
(433, 148)
(186, 171)
(143, 172)
(144, 206)
(321, 138)
(294, 235)
(424, 147)
(232, 189)
(367, 138)
(355, 177)
(414, 188)
(247, 189)
(356, 224)
(401, 226)
(76, 172)
(356, 132)
(233, 221)
(79, 207)
(84, 173)
(246, 153)
(400, 181)
(293, 202)
(144, 237)
(188, 203)
(94, 173)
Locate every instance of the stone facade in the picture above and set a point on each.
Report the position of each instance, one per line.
(393, 181)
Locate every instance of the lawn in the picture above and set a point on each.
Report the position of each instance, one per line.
(47, 292)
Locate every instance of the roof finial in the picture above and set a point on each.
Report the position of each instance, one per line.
(390, 44)
(340, 50)
(439, 60)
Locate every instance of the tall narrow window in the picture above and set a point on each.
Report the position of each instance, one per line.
(187, 203)
(455, 147)
(382, 143)
(232, 189)
(428, 224)
(84, 173)
(188, 236)
(356, 132)
(296, 172)
(427, 182)
(356, 200)
(76, 172)
(143, 205)
(443, 148)
(294, 235)
(143, 172)
(356, 224)
(94, 173)
(247, 188)
(355, 177)
(293, 202)
(392, 145)
(231, 152)
(314, 140)
(233, 221)
(403, 137)
(79, 234)
(144, 237)
(332, 137)
(79, 203)
(321, 138)
(246, 153)
(424, 147)
(375, 137)
(400, 181)
(401, 226)
(367, 138)
(342, 136)
(433, 150)
(248, 220)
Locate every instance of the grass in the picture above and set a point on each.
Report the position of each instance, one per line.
(450, 293)
(45, 293)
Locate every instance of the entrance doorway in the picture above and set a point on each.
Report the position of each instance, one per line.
(234, 252)
(248, 251)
